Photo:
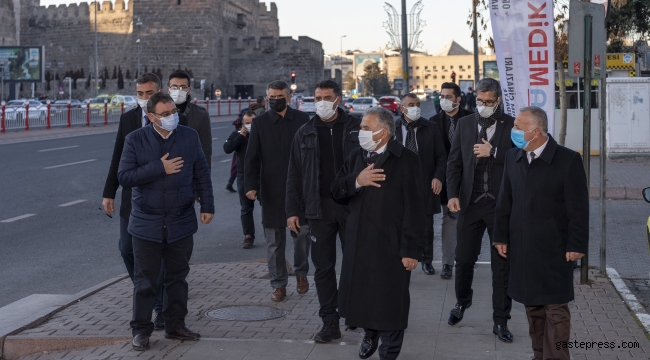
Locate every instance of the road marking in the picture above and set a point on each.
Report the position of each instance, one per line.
(61, 148)
(72, 203)
(226, 160)
(74, 163)
(17, 218)
(220, 127)
(629, 298)
(215, 138)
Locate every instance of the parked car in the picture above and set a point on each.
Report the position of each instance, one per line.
(360, 105)
(114, 103)
(17, 108)
(63, 104)
(307, 105)
(391, 103)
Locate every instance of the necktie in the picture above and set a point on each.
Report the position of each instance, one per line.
(452, 130)
(532, 156)
(146, 120)
(410, 135)
(372, 158)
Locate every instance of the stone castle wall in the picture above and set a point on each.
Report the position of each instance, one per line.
(7, 23)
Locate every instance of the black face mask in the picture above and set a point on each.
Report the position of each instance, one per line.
(278, 105)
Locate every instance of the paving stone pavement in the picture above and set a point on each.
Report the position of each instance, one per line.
(598, 314)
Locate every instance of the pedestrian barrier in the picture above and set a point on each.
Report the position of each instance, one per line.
(48, 116)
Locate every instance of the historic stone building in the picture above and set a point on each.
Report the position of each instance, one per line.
(232, 45)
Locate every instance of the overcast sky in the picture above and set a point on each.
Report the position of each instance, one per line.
(362, 22)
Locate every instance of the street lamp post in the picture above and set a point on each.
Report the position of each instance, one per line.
(341, 59)
(139, 25)
(96, 57)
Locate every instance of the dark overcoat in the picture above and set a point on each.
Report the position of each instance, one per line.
(267, 161)
(433, 158)
(542, 213)
(385, 225)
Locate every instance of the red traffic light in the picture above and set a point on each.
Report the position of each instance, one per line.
(293, 74)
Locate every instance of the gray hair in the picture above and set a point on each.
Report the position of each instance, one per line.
(384, 117)
(489, 84)
(278, 85)
(539, 115)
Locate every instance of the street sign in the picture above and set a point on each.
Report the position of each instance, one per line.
(294, 87)
(620, 61)
(398, 84)
(217, 92)
(578, 10)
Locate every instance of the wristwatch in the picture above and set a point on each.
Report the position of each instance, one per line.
(493, 151)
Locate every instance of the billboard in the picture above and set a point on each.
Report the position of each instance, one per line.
(491, 70)
(23, 63)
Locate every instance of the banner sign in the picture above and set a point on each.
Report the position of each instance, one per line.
(23, 63)
(524, 40)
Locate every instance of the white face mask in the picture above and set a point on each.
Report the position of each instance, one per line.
(413, 113)
(366, 141)
(170, 122)
(447, 105)
(248, 126)
(179, 96)
(325, 109)
(143, 103)
(486, 111)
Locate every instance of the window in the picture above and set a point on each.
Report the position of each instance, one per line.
(426, 68)
(469, 76)
(443, 67)
(417, 68)
(452, 67)
(469, 67)
(575, 94)
(410, 68)
(417, 78)
(443, 77)
(426, 86)
(434, 67)
(435, 77)
(460, 76)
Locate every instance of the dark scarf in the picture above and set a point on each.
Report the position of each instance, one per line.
(485, 123)
(182, 107)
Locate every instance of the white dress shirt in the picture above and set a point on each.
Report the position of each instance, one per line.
(538, 152)
(379, 152)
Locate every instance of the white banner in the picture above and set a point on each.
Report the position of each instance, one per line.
(524, 40)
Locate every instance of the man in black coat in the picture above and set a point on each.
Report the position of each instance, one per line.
(146, 85)
(384, 234)
(266, 166)
(319, 149)
(447, 121)
(542, 226)
(238, 142)
(424, 138)
(163, 219)
(476, 162)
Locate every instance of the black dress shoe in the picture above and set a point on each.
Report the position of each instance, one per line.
(183, 334)
(230, 188)
(446, 272)
(159, 322)
(428, 269)
(369, 345)
(503, 333)
(456, 314)
(140, 342)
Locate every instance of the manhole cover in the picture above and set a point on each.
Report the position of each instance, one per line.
(246, 313)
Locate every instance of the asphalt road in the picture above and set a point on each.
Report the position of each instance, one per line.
(54, 238)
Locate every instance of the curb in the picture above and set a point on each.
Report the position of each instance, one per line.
(6, 335)
(18, 346)
(630, 299)
(617, 193)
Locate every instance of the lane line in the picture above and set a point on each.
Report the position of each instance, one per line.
(17, 218)
(220, 127)
(74, 163)
(60, 148)
(629, 298)
(72, 203)
(215, 138)
(226, 160)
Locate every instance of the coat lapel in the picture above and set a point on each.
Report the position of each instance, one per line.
(498, 132)
(137, 118)
(392, 147)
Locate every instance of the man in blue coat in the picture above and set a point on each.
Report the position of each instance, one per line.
(165, 165)
(542, 226)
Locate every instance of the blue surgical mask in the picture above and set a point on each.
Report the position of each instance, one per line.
(517, 137)
(170, 122)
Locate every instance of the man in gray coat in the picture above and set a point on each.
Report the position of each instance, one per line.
(197, 117)
(542, 226)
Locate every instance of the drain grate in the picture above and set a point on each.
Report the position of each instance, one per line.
(246, 313)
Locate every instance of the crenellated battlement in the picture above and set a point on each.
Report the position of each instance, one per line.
(250, 45)
(82, 11)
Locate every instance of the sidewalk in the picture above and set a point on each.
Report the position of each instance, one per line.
(97, 327)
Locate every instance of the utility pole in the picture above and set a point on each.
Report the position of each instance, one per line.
(139, 25)
(477, 74)
(405, 49)
(96, 57)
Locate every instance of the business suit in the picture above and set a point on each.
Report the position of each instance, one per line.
(476, 217)
(433, 162)
(542, 213)
(449, 220)
(199, 120)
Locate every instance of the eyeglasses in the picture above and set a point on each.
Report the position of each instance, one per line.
(182, 87)
(486, 103)
(166, 114)
(448, 97)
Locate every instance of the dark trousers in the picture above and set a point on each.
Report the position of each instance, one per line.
(427, 252)
(323, 255)
(126, 250)
(471, 226)
(391, 342)
(549, 325)
(247, 207)
(148, 258)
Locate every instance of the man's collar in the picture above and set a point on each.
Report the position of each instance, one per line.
(161, 135)
(275, 116)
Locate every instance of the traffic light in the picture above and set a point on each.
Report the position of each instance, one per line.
(293, 77)
(453, 77)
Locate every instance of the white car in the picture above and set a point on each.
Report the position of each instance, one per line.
(16, 109)
(360, 105)
(307, 105)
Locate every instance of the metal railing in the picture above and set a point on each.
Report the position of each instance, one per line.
(224, 107)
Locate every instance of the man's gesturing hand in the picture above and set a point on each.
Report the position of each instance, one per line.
(369, 176)
(206, 218)
(409, 263)
(172, 166)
